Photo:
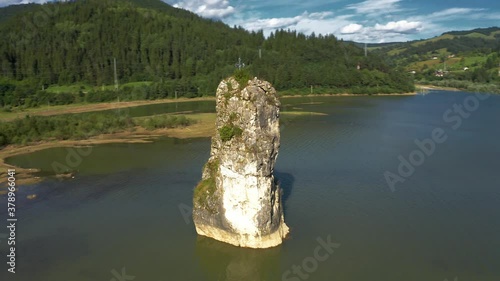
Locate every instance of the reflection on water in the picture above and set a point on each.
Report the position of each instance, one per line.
(285, 182)
(220, 261)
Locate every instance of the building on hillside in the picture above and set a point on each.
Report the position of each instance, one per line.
(440, 73)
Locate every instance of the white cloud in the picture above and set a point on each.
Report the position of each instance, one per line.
(402, 26)
(351, 28)
(320, 15)
(365, 21)
(206, 8)
(271, 23)
(376, 7)
(452, 12)
(342, 26)
(436, 23)
(17, 2)
(307, 23)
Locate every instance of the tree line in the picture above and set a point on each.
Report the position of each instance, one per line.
(32, 129)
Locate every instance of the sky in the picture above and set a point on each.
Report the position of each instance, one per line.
(372, 21)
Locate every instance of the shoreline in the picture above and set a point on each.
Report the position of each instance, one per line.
(432, 87)
(348, 95)
(203, 128)
(452, 89)
(95, 107)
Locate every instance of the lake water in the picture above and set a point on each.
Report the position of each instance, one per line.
(125, 215)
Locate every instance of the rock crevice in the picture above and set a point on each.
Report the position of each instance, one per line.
(238, 200)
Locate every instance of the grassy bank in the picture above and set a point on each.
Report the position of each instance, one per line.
(355, 91)
(200, 125)
(29, 129)
(85, 107)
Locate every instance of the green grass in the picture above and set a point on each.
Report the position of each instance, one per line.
(125, 85)
(81, 126)
(136, 84)
(228, 132)
(452, 64)
(396, 51)
(466, 85)
(206, 188)
(203, 191)
(479, 35)
(21, 112)
(242, 76)
(74, 88)
(164, 121)
(475, 60)
(446, 36)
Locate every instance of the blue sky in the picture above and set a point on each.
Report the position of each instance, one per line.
(360, 20)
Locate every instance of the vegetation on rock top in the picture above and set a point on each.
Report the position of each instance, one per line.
(242, 76)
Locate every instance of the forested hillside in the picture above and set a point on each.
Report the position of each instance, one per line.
(455, 58)
(63, 53)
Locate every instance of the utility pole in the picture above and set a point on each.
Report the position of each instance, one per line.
(116, 75)
(116, 78)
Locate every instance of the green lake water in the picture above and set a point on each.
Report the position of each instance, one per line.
(126, 210)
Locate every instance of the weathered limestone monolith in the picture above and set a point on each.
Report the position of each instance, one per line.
(238, 200)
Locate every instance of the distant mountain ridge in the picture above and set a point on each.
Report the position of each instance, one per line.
(485, 31)
(491, 37)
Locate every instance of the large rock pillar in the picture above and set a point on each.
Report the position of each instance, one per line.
(238, 200)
